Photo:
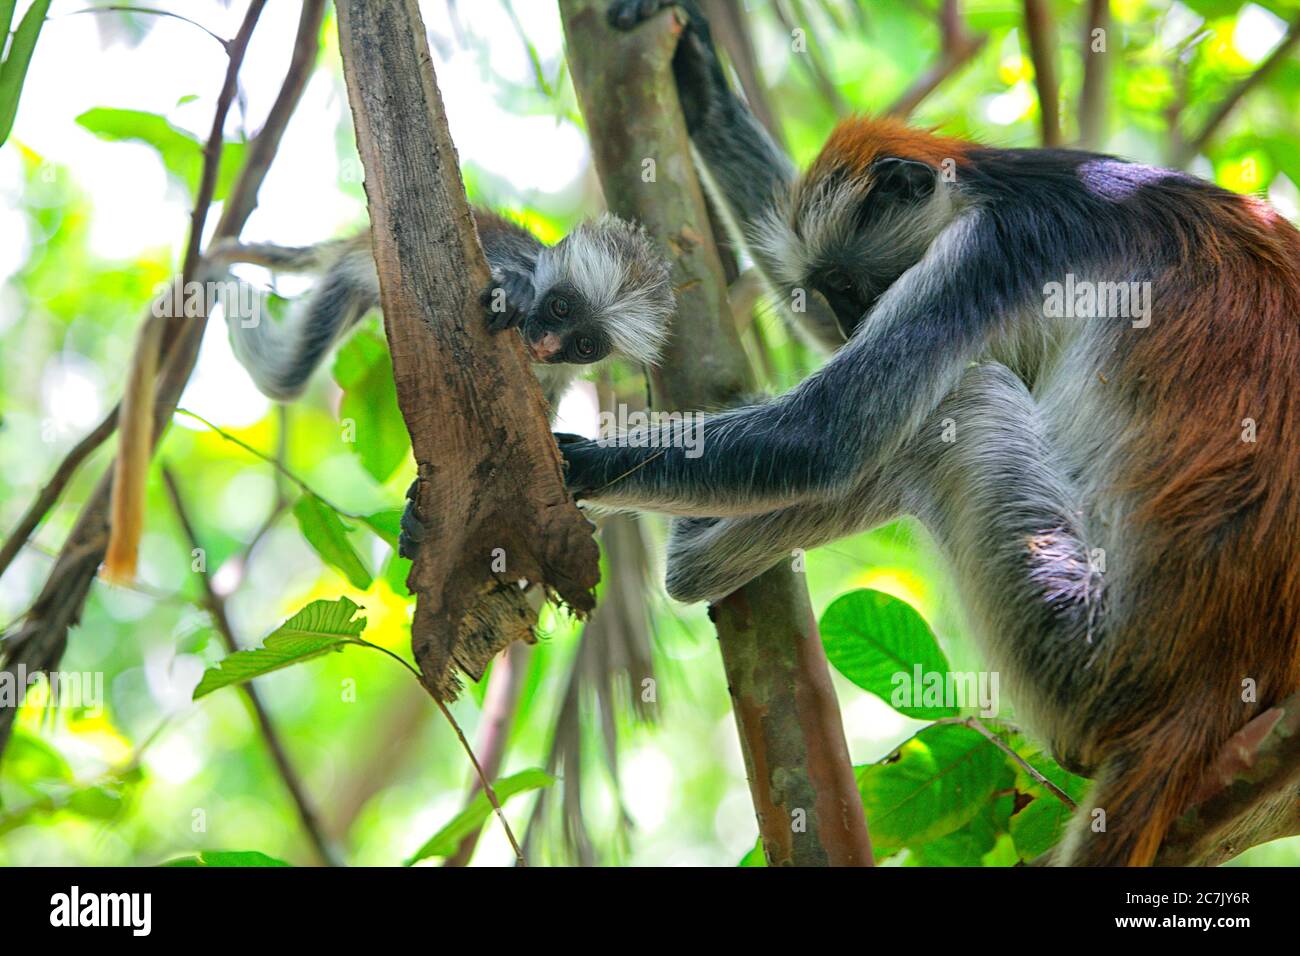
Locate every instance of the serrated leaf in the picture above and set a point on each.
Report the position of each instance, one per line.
(227, 858)
(878, 642)
(320, 627)
(180, 152)
(365, 373)
(469, 820)
(328, 536)
(934, 783)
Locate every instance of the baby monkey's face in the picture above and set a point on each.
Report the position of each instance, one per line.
(562, 328)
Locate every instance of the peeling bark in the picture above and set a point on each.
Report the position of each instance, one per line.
(489, 472)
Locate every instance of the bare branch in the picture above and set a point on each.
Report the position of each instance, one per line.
(1092, 96)
(959, 48)
(1196, 143)
(1251, 796)
(1042, 50)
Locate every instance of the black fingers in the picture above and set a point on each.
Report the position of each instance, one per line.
(414, 530)
(507, 300)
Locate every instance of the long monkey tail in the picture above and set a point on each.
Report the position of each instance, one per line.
(281, 356)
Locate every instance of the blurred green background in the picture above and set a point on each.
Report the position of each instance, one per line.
(96, 183)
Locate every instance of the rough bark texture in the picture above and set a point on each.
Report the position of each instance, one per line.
(807, 803)
(489, 472)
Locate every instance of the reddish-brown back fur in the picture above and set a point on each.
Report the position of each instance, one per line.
(1214, 595)
(1219, 598)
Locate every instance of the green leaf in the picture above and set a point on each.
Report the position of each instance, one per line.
(1038, 826)
(320, 627)
(878, 642)
(227, 858)
(755, 856)
(30, 762)
(6, 20)
(180, 152)
(472, 818)
(934, 783)
(14, 70)
(372, 422)
(968, 844)
(387, 524)
(328, 536)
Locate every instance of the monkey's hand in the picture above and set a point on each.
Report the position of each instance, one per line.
(696, 68)
(585, 464)
(507, 300)
(414, 530)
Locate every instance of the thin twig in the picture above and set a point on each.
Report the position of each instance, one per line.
(494, 730)
(959, 47)
(975, 724)
(275, 462)
(460, 735)
(49, 495)
(487, 784)
(1194, 145)
(152, 11)
(216, 606)
(812, 61)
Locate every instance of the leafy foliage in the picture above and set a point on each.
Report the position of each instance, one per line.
(317, 629)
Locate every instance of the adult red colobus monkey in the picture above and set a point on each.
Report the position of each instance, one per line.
(1117, 495)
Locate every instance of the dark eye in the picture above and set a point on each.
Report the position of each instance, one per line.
(837, 281)
(559, 306)
(586, 346)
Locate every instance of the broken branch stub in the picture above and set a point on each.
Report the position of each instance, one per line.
(491, 488)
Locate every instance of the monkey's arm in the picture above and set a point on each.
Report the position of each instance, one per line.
(746, 169)
(816, 441)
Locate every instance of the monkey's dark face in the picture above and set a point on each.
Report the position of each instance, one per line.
(846, 296)
(850, 236)
(562, 329)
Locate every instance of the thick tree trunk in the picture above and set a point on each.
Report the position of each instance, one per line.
(805, 797)
(490, 483)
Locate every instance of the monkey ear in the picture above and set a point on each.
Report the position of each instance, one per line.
(902, 180)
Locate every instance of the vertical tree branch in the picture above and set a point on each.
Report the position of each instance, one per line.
(1092, 96)
(805, 797)
(1042, 50)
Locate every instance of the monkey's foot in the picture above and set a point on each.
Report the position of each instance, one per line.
(507, 300)
(414, 530)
